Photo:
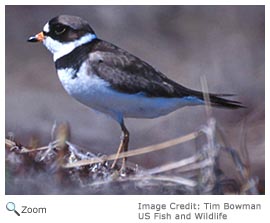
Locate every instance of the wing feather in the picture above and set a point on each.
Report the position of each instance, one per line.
(128, 74)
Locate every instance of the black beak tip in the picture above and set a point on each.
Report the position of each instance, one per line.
(32, 39)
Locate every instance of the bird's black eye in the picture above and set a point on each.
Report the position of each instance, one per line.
(59, 29)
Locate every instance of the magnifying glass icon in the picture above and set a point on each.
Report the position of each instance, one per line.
(11, 207)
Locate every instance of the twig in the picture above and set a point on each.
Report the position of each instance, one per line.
(11, 144)
(171, 166)
(206, 97)
(172, 179)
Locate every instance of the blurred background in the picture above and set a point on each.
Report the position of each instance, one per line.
(226, 44)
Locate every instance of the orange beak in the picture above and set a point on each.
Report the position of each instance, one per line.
(37, 38)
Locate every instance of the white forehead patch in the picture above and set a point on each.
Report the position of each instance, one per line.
(46, 28)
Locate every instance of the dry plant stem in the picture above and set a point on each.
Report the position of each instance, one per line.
(51, 145)
(173, 179)
(195, 166)
(159, 178)
(171, 166)
(206, 97)
(139, 151)
(208, 176)
(11, 144)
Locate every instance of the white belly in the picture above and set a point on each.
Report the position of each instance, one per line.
(97, 94)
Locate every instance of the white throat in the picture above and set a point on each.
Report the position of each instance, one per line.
(59, 49)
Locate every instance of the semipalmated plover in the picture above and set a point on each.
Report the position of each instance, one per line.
(109, 79)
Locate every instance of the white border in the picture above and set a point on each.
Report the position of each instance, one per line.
(139, 2)
(122, 208)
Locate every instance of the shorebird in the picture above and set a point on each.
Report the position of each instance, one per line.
(111, 80)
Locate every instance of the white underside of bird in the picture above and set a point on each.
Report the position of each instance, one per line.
(96, 93)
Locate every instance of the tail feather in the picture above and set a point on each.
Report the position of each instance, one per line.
(218, 101)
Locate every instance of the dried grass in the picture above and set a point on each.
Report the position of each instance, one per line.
(198, 174)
